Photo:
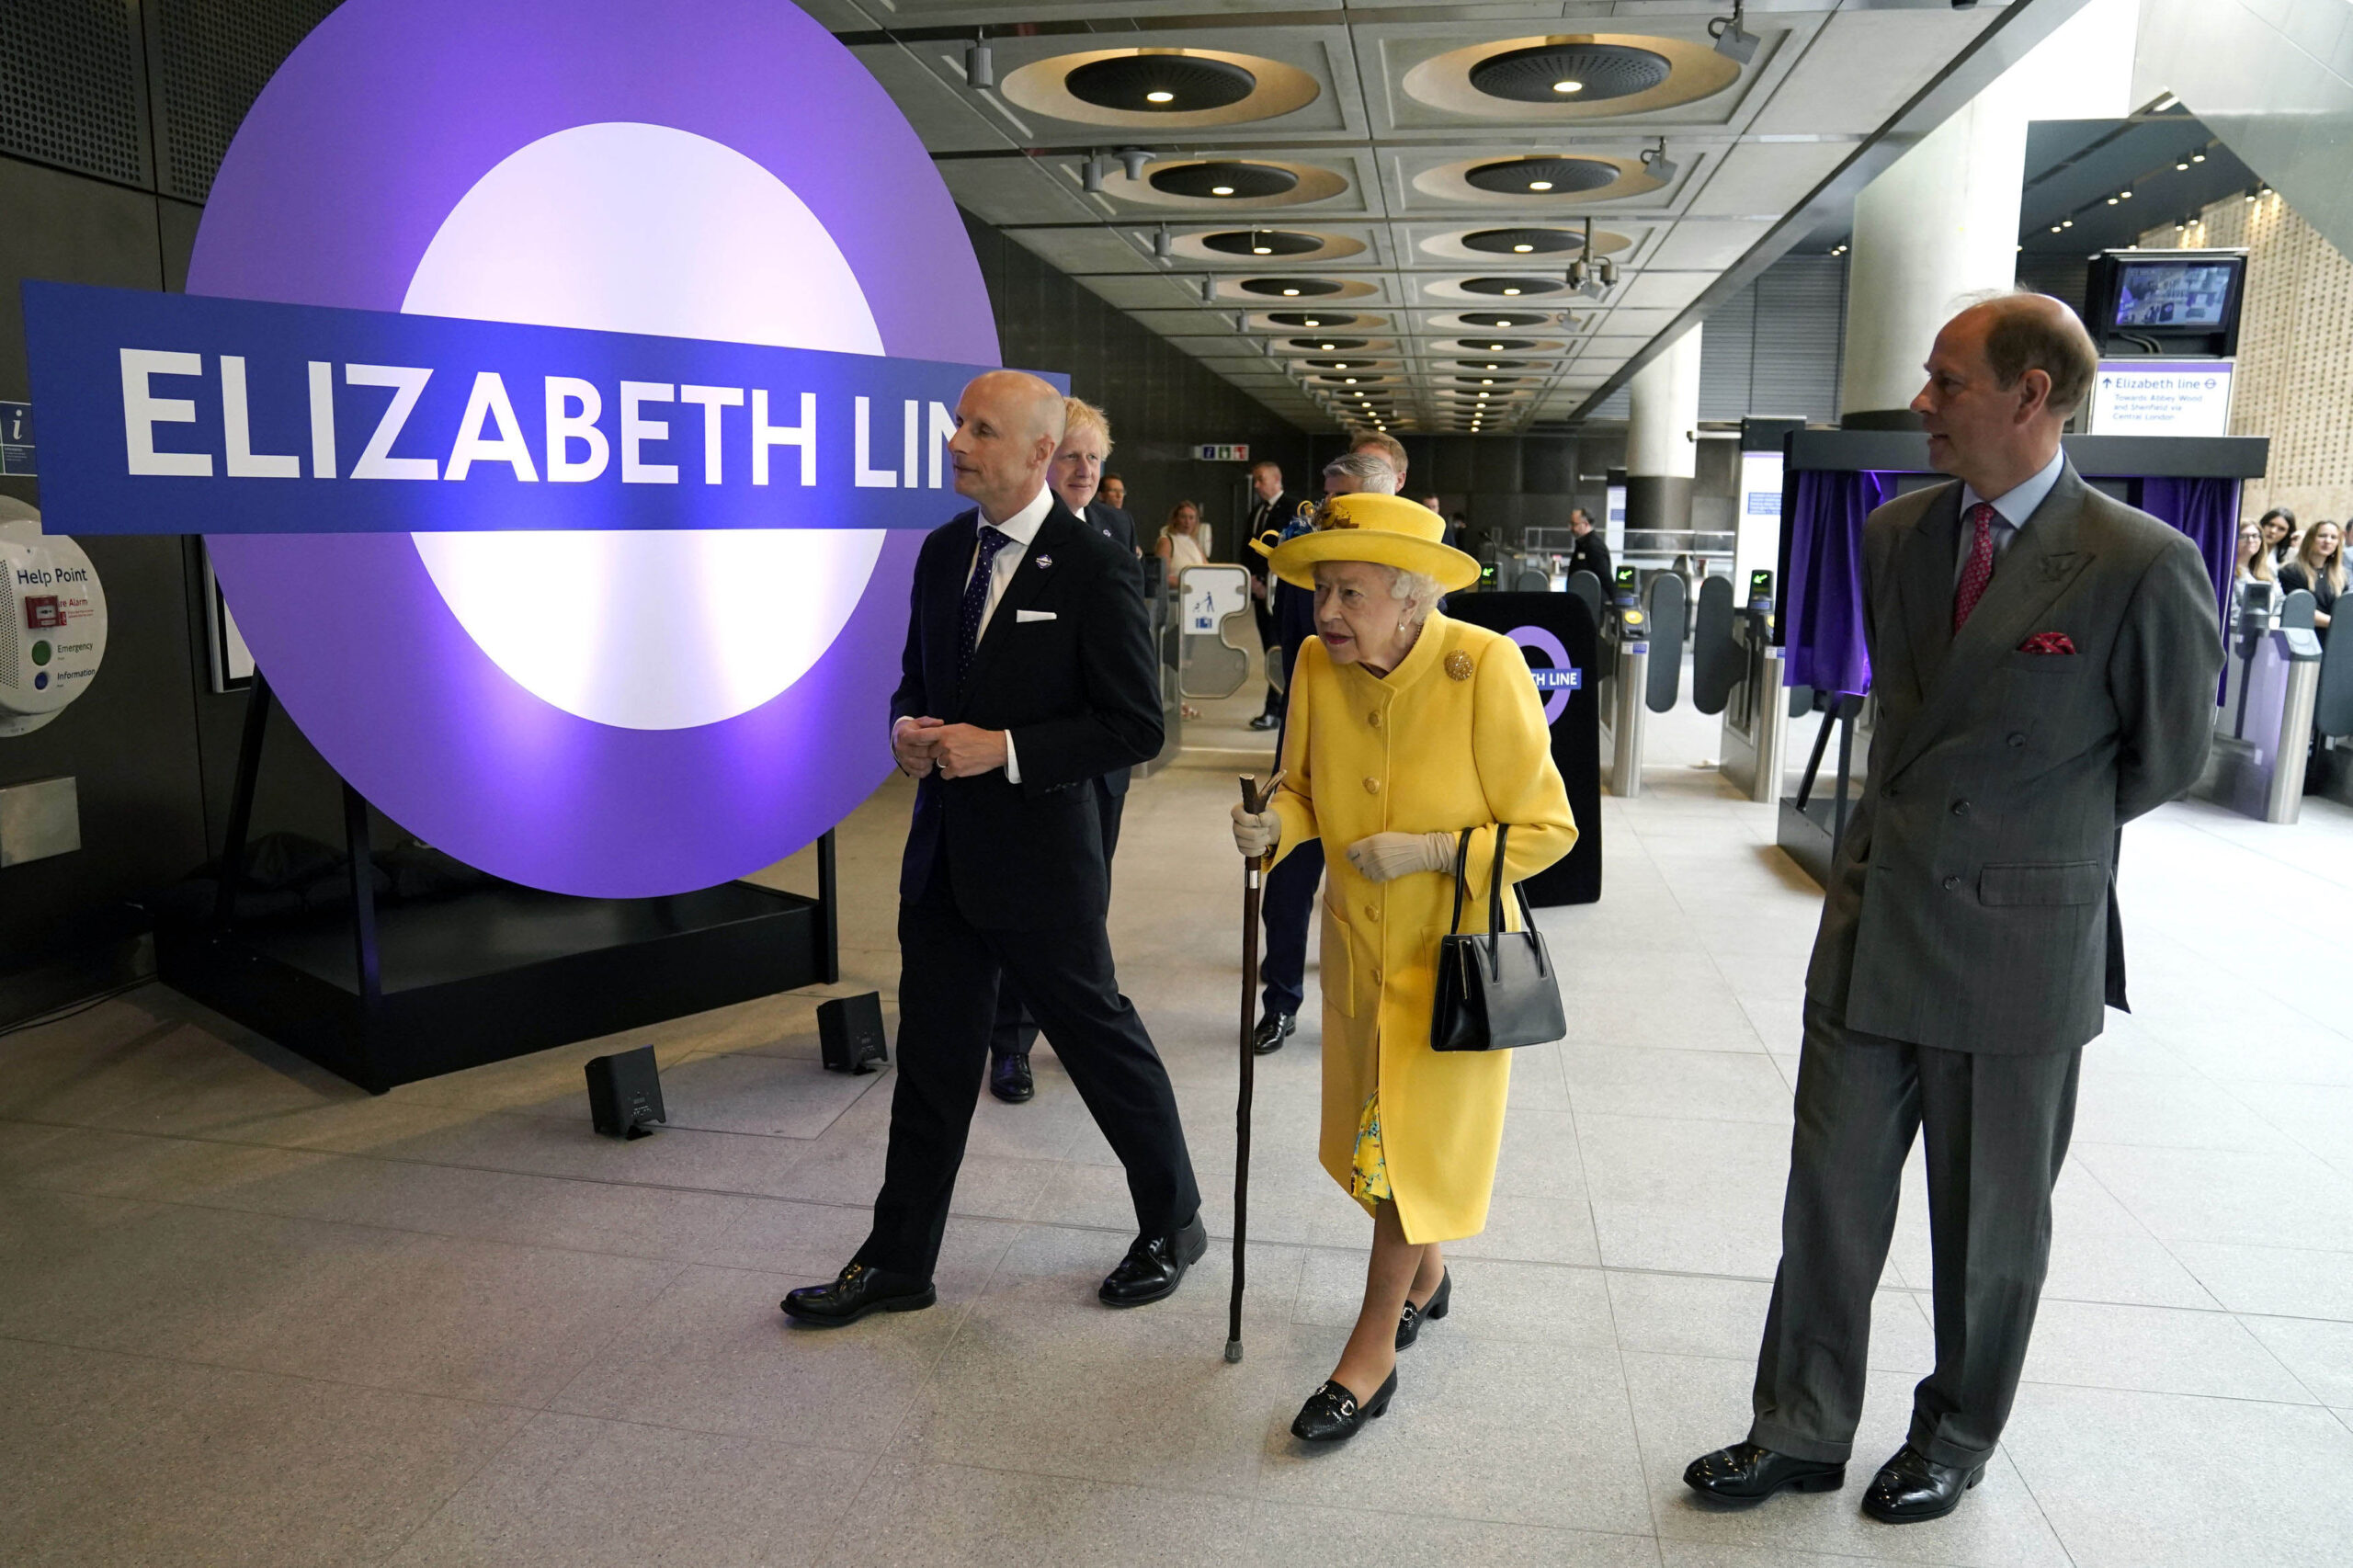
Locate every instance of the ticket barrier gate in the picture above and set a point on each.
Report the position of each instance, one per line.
(2263, 731)
(1736, 671)
(1642, 667)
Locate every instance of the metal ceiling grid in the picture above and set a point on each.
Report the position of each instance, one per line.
(1373, 112)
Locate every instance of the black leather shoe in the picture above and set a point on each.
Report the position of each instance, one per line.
(1009, 1079)
(1332, 1413)
(1409, 1323)
(856, 1291)
(1273, 1029)
(1745, 1475)
(1154, 1266)
(1267, 721)
(1912, 1486)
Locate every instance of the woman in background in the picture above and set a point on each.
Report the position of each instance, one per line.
(2278, 526)
(1180, 540)
(2319, 570)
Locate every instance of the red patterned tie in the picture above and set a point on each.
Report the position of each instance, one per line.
(1980, 569)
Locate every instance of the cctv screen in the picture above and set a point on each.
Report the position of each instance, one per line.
(2174, 293)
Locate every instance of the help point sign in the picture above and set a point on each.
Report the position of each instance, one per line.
(560, 389)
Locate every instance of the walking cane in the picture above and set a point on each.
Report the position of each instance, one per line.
(1255, 869)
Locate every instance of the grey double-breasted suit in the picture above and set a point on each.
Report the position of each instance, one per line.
(1970, 936)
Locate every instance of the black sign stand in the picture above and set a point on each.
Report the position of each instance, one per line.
(1533, 621)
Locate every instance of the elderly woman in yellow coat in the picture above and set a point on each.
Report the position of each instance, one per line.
(1404, 727)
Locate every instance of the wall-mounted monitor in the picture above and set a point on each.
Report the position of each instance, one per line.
(2167, 302)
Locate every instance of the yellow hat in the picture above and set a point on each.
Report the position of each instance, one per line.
(1388, 530)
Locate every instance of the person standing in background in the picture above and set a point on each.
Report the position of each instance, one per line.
(1271, 506)
(1591, 551)
(2043, 661)
(1074, 476)
(2319, 570)
(1180, 540)
(1113, 493)
(2278, 526)
(1289, 896)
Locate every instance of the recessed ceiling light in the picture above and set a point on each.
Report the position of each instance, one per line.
(1495, 345)
(2183, 165)
(1290, 293)
(1539, 185)
(2198, 157)
(2112, 200)
(1511, 291)
(1262, 250)
(1568, 87)
(1160, 96)
(1221, 190)
(1313, 322)
(1488, 382)
(1523, 250)
(1351, 381)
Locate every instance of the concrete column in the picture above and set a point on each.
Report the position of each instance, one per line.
(1662, 445)
(1941, 222)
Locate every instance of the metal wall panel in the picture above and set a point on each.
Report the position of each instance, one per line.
(72, 91)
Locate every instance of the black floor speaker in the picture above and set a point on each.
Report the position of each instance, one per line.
(849, 1029)
(625, 1092)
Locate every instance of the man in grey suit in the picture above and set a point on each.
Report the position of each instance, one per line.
(2044, 659)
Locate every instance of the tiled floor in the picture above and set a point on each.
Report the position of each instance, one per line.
(248, 1315)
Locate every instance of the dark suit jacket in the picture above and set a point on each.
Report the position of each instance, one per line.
(1117, 525)
(1261, 517)
(1080, 695)
(1972, 904)
(1591, 553)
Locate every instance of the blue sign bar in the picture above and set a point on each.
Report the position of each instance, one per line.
(177, 414)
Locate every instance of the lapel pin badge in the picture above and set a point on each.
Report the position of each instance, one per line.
(1044, 561)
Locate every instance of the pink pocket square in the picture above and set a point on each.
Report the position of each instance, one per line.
(2047, 642)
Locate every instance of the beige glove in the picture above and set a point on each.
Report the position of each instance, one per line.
(1385, 857)
(1256, 833)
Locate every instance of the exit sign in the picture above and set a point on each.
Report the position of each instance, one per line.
(1211, 452)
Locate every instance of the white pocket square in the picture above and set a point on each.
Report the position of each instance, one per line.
(1024, 617)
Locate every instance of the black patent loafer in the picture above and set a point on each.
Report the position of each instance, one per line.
(1009, 1079)
(1409, 1325)
(1745, 1475)
(856, 1291)
(1154, 1266)
(1267, 721)
(1912, 1487)
(1332, 1413)
(1273, 1029)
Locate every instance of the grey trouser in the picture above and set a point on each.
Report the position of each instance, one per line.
(1996, 1127)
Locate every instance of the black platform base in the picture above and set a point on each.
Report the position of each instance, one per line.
(1804, 835)
(492, 973)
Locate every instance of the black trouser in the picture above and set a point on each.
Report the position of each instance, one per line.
(948, 986)
(1015, 1029)
(1288, 900)
(1265, 617)
(1996, 1127)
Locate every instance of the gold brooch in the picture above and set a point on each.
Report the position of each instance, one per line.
(1458, 666)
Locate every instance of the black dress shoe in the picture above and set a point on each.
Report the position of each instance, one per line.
(1273, 1029)
(856, 1291)
(1332, 1413)
(1745, 1475)
(1154, 1266)
(1009, 1079)
(1409, 1323)
(1267, 721)
(1912, 1486)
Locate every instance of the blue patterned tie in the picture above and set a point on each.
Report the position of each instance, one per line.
(976, 595)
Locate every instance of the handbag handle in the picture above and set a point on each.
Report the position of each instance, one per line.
(1494, 901)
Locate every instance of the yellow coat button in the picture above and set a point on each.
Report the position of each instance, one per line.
(1374, 719)
(1372, 786)
(1372, 912)
(1376, 976)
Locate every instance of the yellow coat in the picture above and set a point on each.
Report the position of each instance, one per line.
(1453, 738)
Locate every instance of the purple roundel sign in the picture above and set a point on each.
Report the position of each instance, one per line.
(670, 664)
(1554, 679)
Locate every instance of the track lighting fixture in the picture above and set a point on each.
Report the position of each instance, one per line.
(1735, 42)
(980, 64)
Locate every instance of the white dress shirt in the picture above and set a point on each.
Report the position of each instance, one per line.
(1022, 528)
(2011, 509)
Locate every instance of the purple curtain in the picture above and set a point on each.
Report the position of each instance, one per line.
(2208, 511)
(1824, 629)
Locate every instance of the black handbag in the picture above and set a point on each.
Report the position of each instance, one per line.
(1497, 990)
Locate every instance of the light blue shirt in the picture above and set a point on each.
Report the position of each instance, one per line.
(2011, 509)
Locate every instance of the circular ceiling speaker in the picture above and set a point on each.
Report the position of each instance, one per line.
(1160, 83)
(1569, 72)
(1289, 287)
(1312, 318)
(1508, 318)
(1228, 181)
(1510, 285)
(1524, 242)
(1262, 242)
(1328, 343)
(1540, 176)
(1494, 345)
